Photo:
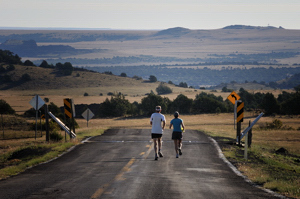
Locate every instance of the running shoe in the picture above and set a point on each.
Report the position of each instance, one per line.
(180, 153)
(177, 156)
(160, 154)
(156, 157)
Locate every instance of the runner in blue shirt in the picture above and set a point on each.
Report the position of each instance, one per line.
(178, 128)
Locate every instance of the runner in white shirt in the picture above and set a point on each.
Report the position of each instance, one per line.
(158, 123)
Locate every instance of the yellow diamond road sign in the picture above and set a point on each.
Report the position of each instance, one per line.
(233, 97)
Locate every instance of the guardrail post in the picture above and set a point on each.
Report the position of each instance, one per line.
(47, 123)
(246, 147)
(250, 136)
(238, 132)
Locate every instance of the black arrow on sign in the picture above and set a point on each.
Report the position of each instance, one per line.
(233, 96)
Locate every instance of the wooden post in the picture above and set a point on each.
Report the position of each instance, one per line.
(2, 125)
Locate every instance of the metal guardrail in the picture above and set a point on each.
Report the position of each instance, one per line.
(252, 124)
(62, 125)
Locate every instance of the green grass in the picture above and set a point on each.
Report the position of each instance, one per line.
(12, 163)
(277, 172)
(18, 160)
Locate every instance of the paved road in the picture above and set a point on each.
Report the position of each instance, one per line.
(120, 164)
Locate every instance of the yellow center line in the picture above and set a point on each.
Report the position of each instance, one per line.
(119, 177)
(102, 189)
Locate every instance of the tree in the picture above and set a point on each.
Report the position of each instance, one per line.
(123, 75)
(225, 89)
(58, 65)
(163, 89)
(182, 104)
(65, 69)
(208, 104)
(183, 84)
(28, 63)
(8, 57)
(44, 64)
(5, 108)
(269, 104)
(152, 78)
(115, 107)
(152, 100)
(291, 106)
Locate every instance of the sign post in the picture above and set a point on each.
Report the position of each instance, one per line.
(239, 119)
(233, 98)
(87, 114)
(69, 113)
(36, 102)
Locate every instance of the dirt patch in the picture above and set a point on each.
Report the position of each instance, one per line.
(28, 153)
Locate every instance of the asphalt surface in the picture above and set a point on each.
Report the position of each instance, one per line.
(120, 164)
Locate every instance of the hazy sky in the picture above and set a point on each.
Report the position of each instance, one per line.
(149, 14)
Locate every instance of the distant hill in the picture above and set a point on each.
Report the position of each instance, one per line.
(290, 82)
(250, 27)
(175, 32)
(29, 48)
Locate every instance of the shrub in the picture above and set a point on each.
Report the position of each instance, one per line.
(163, 89)
(25, 77)
(2, 69)
(54, 136)
(10, 67)
(152, 78)
(137, 77)
(123, 75)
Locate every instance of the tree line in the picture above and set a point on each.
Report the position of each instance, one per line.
(119, 106)
(206, 76)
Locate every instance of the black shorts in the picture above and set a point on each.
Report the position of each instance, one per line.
(156, 135)
(176, 135)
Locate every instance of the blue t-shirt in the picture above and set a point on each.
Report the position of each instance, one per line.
(176, 122)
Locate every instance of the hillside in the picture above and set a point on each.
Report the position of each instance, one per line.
(45, 79)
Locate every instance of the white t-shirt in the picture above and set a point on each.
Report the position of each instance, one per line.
(156, 119)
